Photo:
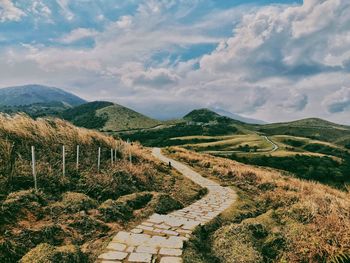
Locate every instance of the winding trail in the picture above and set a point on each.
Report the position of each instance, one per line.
(160, 238)
(274, 145)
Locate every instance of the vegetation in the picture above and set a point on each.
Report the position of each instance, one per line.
(107, 116)
(277, 218)
(85, 115)
(323, 169)
(70, 218)
(311, 128)
(120, 118)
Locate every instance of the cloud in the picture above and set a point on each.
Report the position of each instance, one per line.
(338, 101)
(134, 74)
(9, 12)
(296, 102)
(78, 34)
(124, 22)
(66, 11)
(274, 62)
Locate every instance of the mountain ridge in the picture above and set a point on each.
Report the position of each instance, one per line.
(34, 93)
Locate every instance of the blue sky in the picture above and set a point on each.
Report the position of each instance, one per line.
(273, 60)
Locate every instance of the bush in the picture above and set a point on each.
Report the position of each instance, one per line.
(45, 253)
(167, 204)
(16, 202)
(123, 207)
(112, 210)
(75, 202)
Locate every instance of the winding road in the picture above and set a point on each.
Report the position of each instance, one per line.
(160, 238)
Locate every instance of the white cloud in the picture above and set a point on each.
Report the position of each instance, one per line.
(338, 101)
(64, 4)
(124, 22)
(78, 34)
(278, 64)
(9, 12)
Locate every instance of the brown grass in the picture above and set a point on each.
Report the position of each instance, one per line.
(313, 219)
(65, 210)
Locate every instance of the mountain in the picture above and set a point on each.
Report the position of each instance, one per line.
(238, 117)
(107, 116)
(31, 94)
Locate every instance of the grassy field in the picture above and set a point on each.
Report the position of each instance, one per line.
(277, 218)
(71, 218)
(312, 149)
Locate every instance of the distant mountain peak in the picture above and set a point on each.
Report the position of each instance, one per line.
(35, 93)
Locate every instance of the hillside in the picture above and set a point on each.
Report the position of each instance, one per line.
(202, 122)
(72, 216)
(30, 94)
(122, 118)
(277, 218)
(312, 149)
(107, 116)
(313, 128)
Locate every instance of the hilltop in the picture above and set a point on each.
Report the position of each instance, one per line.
(32, 94)
(72, 216)
(107, 116)
(37, 100)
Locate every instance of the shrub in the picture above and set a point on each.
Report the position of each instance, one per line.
(167, 204)
(75, 202)
(45, 253)
(112, 210)
(17, 202)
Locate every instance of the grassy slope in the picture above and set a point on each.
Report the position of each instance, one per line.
(277, 218)
(312, 128)
(121, 118)
(84, 208)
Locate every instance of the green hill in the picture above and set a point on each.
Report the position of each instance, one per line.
(107, 116)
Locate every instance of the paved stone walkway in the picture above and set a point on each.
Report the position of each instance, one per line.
(160, 238)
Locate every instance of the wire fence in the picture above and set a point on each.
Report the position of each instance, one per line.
(113, 160)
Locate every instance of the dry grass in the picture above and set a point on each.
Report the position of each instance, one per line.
(311, 219)
(65, 210)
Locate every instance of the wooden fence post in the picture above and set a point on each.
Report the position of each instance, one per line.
(63, 161)
(77, 164)
(129, 146)
(33, 168)
(99, 159)
(112, 156)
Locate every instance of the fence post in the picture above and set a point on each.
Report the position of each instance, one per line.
(112, 156)
(63, 161)
(33, 168)
(129, 146)
(77, 165)
(99, 159)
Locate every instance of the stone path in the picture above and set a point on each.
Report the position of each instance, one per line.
(160, 238)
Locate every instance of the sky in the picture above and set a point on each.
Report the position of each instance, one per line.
(273, 60)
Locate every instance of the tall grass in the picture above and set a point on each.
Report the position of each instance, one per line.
(19, 132)
(311, 220)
